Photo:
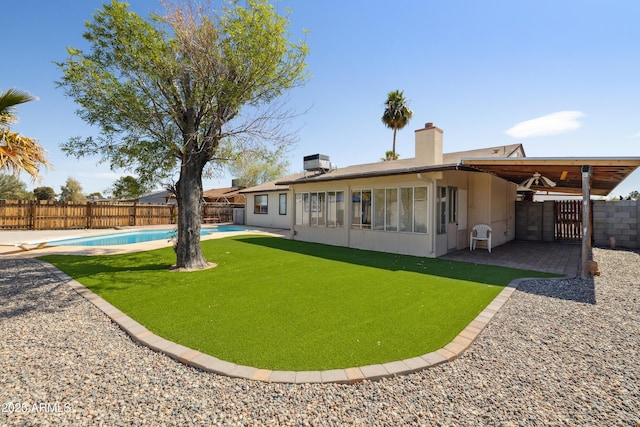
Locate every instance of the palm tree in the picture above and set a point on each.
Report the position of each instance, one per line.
(18, 153)
(396, 114)
(8, 102)
(388, 155)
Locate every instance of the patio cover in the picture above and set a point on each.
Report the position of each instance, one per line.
(606, 173)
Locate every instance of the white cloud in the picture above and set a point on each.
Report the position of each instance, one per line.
(551, 124)
(636, 135)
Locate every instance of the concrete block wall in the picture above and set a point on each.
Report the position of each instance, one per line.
(529, 217)
(535, 221)
(548, 221)
(619, 219)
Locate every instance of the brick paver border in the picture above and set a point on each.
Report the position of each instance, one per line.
(202, 361)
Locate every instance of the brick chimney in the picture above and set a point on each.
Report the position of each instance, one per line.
(429, 145)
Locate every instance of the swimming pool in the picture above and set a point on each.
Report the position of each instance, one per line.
(137, 236)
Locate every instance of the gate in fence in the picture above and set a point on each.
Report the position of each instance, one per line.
(549, 221)
(568, 220)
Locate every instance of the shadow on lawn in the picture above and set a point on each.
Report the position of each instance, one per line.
(100, 269)
(577, 290)
(488, 274)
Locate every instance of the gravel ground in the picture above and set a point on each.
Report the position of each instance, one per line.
(557, 353)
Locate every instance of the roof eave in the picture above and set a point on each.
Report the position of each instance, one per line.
(574, 161)
(373, 174)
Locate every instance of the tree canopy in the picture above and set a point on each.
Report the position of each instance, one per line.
(44, 193)
(11, 188)
(128, 188)
(71, 191)
(389, 155)
(252, 168)
(181, 93)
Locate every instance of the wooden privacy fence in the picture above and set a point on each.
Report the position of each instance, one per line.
(218, 212)
(568, 220)
(51, 215)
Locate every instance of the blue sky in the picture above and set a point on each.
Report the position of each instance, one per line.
(560, 77)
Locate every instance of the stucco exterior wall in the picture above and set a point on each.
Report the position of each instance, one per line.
(503, 198)
(418, 244)
(492, 201)
(329, 236)
(487, 199)
(479, 206)
(399, 243)
(273, 218)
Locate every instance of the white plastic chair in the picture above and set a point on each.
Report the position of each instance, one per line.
(480, 232)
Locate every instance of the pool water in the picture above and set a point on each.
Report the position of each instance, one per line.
(138, 236)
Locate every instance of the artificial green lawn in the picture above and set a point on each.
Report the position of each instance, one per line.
(275, 303)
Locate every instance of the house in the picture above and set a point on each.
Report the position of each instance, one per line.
(424, 206)
(226, 196)
(415, 206)
(270, 204)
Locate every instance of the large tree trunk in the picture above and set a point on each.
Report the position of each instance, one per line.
(189, 197)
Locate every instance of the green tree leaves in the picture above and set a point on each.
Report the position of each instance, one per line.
(396, 115)
(71, 191)
(11, 188)
(178, 92)
(128, 188)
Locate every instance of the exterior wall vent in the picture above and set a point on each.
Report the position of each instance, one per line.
(317, 162)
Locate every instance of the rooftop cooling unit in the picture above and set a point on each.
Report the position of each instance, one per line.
(317, 162)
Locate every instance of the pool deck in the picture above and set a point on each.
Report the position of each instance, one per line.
(11, 240)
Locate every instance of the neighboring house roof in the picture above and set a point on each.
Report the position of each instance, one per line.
(224, 195)
(156, 197)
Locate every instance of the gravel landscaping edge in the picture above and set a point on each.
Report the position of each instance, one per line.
(560, 352)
